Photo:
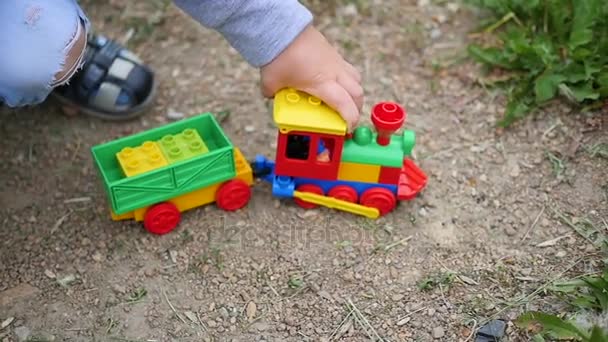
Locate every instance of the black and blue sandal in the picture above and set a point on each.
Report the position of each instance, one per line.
(113, 83)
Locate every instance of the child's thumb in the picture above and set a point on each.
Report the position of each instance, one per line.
(335, 96)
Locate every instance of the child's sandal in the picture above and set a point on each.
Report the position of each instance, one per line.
(113, 83)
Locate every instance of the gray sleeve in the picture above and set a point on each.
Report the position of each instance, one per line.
(258, 29)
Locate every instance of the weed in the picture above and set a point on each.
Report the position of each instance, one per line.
(444, 279)
(585, 294)
(295, 282)
(598, 150)
(137, 295)
(586, 229)
(112, 324)
(343, 244)
(548, 49)
(557, 164)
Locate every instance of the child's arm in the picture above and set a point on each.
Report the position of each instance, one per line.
(277, 36)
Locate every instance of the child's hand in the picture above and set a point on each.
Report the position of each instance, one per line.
(312, 65)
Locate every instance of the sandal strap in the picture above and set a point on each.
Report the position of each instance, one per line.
(109, 71)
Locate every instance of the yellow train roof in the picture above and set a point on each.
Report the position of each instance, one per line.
(298, 111)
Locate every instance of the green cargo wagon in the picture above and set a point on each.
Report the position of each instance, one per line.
(155, 175)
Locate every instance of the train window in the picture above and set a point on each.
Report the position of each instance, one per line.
(298, 146)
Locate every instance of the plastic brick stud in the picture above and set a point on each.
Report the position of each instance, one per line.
(140, 159)
(182, 146)
(387, 117)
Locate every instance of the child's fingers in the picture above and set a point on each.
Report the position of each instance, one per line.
(353, 88)
(353, 71)
(269, 89)
(339, 99)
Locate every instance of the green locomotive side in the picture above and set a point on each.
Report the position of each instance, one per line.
(180, 176)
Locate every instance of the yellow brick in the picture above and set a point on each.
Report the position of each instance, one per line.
(140, 159)
(355, 172)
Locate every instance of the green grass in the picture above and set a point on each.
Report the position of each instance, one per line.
(545, 50)
(588, 298)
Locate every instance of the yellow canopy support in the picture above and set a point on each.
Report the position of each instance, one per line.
(335, 203)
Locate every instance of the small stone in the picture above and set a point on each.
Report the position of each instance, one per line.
(119, 289)
(397, 297)
(49, 274)
(97, 257)
(307, 214)
(422, 212)
(261, 326)
(560, 254)
(223, 312)
(211, 324)
(173, 256)
(174, 115)
(251, 310)
(441, 18)
(438, 332)
(435, 33)
(431, 312)
(250, 128)
(23, 333)
(453, 7)
(510, 231)
(349, 10)
(515, 171)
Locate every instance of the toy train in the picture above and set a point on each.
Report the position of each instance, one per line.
(154, 176)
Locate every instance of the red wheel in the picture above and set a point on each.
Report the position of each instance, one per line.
(161, 218)
(343, 192)
(380, 198)
(233, 195)
(308, 188)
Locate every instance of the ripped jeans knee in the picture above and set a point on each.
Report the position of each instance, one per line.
(36, 36)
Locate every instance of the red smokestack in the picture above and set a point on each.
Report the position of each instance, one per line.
(387, 117)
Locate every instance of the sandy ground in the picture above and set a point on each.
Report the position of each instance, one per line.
(485, 235)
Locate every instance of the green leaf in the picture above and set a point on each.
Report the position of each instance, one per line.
(585, 302)
(602, 81)
(516, 109)
(586, 12)
(559, 17)
(538, 338)
(599, 289)
(598, 335)
(491, 56)
(591, 69)
(551, 324)
(584, 92)
(544, 49)
(546, 85)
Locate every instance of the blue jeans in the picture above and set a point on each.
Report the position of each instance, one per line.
(34, 35)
